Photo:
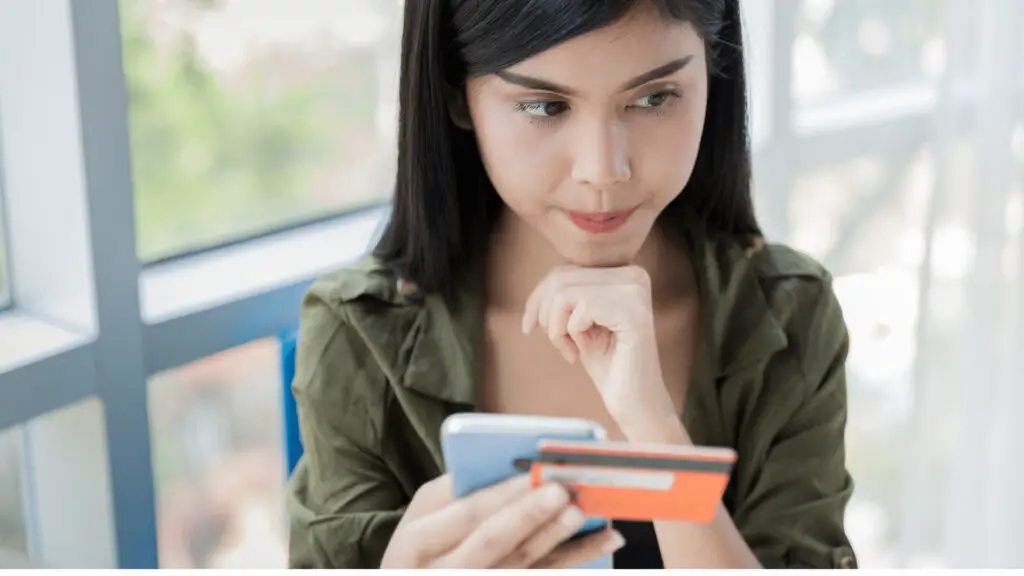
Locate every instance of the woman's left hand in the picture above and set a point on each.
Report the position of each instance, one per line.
(604, 319)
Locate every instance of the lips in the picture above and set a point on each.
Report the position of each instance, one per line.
(599, 222)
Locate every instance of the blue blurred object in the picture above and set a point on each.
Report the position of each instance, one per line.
(292, 439)
(289, 342)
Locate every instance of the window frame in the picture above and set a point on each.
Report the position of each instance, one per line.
(104, 323)
(5, 278)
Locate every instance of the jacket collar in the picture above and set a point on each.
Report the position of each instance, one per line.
(738, 326)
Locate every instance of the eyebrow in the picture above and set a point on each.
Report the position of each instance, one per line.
(547, 86)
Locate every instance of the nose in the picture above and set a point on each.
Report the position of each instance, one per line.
(602, 154)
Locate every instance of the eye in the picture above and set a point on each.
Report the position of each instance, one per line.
(656, 100)
(543, 108)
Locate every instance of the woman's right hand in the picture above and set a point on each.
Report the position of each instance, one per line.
(508, 525)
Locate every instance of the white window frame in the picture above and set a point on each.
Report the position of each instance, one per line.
(5, 293)
(90, 325)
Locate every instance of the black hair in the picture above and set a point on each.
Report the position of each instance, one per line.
(445, 205)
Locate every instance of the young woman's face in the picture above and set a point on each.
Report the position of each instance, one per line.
(588, 142)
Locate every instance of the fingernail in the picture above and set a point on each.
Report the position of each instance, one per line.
(572, 518)
(614, 542)
(555, 496)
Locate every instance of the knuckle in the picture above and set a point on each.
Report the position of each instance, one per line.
(490, 541)
(536, 513)
(640, 276)
(560, 281)
(638, 291)
(416, 556)
(559, 301)
(469, 515)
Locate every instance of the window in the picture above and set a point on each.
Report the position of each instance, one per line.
(886, 143)
(5, 297)
(12, 507)
(920, 223)
(863, 218)
(5, 291)
(1018, 148)
(847, 47)
(863, 214)
(252, 115)
(869, 219)
(218, 461)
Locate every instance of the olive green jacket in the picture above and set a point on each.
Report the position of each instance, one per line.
(379, 368)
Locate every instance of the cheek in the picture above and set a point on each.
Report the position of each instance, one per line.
(522, 164)
(666, 150)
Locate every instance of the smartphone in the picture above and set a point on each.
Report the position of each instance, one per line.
(483, 449)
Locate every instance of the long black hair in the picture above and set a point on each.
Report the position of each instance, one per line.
(445, 206)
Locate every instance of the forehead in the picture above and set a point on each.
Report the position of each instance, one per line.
(609, 56)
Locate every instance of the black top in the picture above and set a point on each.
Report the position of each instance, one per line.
(641, 549)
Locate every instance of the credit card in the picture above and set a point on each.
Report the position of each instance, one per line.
(624, 481)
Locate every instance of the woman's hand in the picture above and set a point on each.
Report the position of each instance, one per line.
(603, 318)
(509, 525)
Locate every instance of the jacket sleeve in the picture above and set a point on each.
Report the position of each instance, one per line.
(792, 514)
(343, 500)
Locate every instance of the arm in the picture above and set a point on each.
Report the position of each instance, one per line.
(343, 501)
(685, 545)
(792, 514)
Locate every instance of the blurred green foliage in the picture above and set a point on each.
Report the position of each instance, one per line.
(215, 159)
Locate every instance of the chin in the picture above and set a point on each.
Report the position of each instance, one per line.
(601, 256)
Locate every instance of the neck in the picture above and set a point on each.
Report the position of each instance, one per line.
(519, 258)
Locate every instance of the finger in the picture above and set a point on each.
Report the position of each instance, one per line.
(531, 311)
(505, 531)
(556, 283)
(443, 529)
(575, 276)
(579, 324)
(584, 550)
(545, 305)
(613, 308)
(546, 540)
(535, 310)
(557, 325)
(570, 351)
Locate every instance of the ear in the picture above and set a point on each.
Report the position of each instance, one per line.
(458, 108)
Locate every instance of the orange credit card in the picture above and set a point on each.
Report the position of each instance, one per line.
(622, 481)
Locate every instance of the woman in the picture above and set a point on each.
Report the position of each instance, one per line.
(572, 234)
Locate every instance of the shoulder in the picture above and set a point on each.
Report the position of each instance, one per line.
(350, 325)
(790, 279)
(774, 307)
(800, 297)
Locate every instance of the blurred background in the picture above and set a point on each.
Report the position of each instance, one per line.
(889, 144)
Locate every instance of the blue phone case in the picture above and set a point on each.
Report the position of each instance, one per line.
(477, 459)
